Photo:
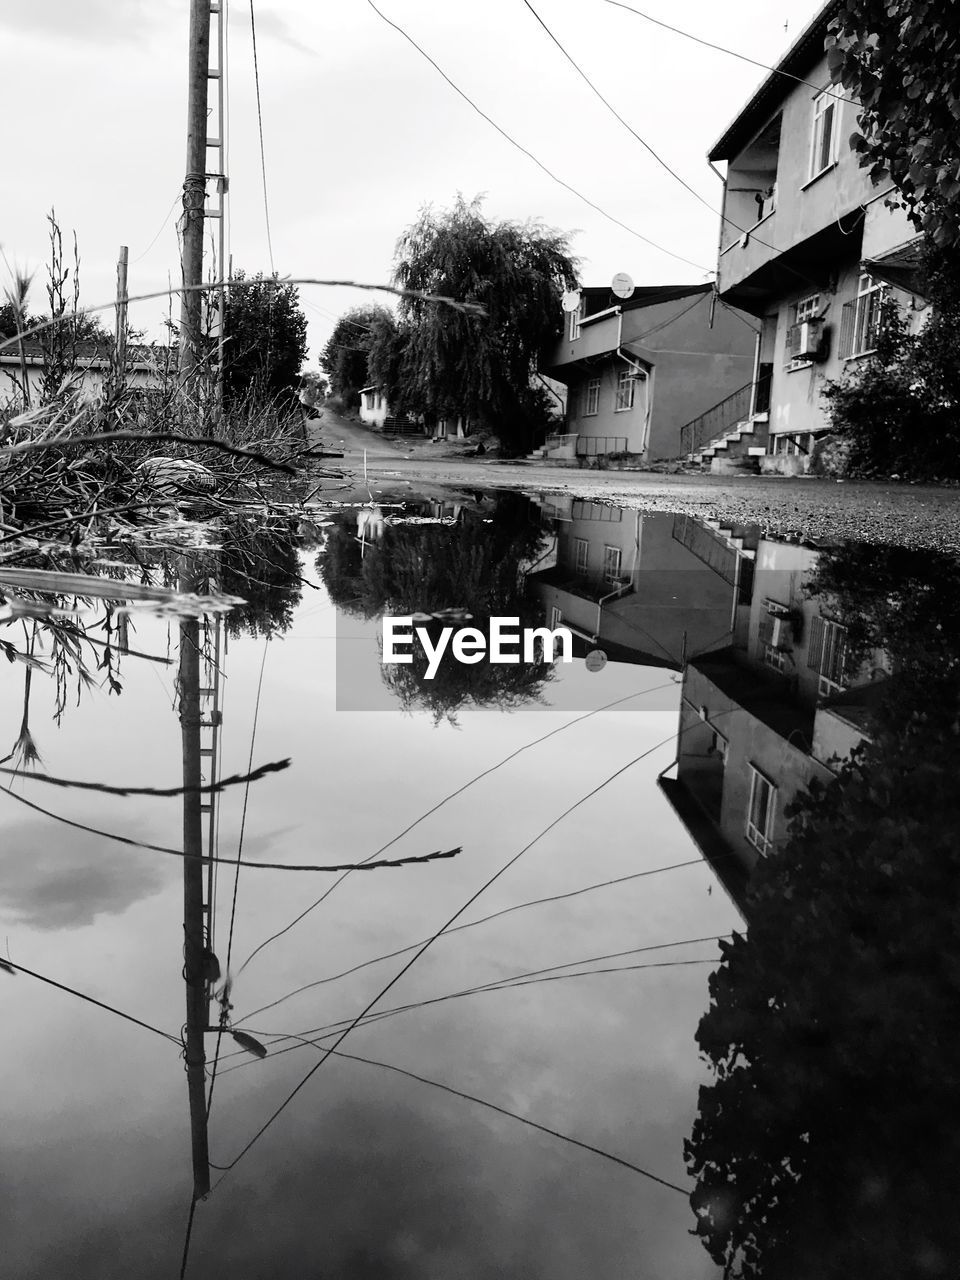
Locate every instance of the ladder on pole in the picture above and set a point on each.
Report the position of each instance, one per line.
(217, 170)
(211, 671)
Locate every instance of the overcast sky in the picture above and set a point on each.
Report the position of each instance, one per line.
(360, 131)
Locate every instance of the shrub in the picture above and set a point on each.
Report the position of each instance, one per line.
(898, 413)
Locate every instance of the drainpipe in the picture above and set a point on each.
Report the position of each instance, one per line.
(602, 601)
(636, 367)
(756, 370)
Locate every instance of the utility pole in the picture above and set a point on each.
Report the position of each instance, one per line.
(194, 190)
(194, 942)
(121, 308)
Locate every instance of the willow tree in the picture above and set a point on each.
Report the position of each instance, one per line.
(480, 367)
(346, 354)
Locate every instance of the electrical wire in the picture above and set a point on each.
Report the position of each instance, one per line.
(512, 1115)
(472, 924)
(505, 984)
(90, 1000)
(613, 111)
(412, 961)
(263, 160)
(569, 964)
(236, 879)
(446, 799)
(366, 865)
(529, 154)
(688, 35)
(176, 200)
(643, 142)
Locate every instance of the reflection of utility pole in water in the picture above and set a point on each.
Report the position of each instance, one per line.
(199, 681)
(194, 941)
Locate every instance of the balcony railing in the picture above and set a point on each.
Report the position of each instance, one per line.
(595, 446)
(753, 397)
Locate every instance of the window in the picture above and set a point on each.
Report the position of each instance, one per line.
(826, 654)
(860, 321)
(719, 746)
(774, 657)
(556, 618)
(763, 802)
(583, 554)
(611, 565)
(803, 311)
(806, 308)
(626, 381)
(590, 398)
(575, 318)
(825, 135)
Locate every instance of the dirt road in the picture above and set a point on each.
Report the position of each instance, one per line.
(922, 516)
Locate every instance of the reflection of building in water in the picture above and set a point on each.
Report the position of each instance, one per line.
(765, 716)
(647, 588)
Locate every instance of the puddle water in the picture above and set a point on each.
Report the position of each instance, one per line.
(527, 1007)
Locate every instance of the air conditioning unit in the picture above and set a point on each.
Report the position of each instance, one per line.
(780, 633)
(809, 340)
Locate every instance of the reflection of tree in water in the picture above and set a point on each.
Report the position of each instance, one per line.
(827, 1145)
(473, 565)
(262, 566)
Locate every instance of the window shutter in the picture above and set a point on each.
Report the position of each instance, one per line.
(847, 327)
(793, 340)
(815, 647)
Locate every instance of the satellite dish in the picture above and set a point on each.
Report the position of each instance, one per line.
(596, 660)
(622, 285)
(570, 300)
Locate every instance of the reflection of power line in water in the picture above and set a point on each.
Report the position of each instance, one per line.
(472, 924)
(425, 947)
(497, 982)
(513, 1115)
(440, 803)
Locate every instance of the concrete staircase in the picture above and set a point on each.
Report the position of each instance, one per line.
(739, 448)
(556, 450)
(732, 435)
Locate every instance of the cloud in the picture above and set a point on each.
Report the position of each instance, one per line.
(64, 880)
(95, 21)
(275, 28)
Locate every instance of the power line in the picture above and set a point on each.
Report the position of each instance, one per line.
(505, 984)
(176, 201)
(236, 879)
(446, 799)
(497, 982)
(688, 35)
(529, 154)
(513, 1115)
(263, 160)
(659, 159)
(612, 109)
(366, 865)
(90, 1000)
(472, 924)
(412, 961)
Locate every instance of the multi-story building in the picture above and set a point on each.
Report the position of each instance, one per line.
(647, 588)
(637, 368)
(760, 720)
(810, 247)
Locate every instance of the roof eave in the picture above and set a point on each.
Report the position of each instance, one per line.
(776, 86)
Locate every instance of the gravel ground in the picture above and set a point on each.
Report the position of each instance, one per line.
(919, 516)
